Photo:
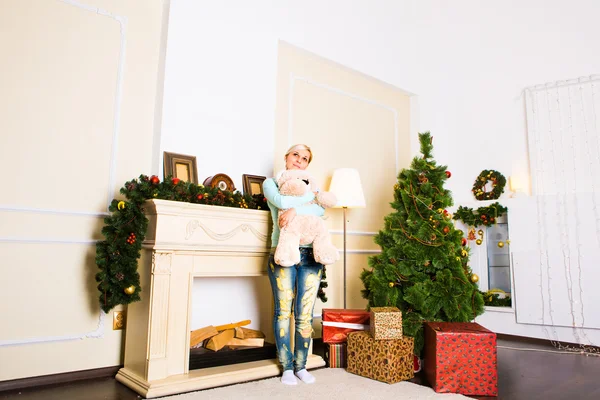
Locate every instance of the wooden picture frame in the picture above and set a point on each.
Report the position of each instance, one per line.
(252, 184)
(180, 166)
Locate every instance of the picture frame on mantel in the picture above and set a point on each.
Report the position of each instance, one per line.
(180, 166)
(252, 184)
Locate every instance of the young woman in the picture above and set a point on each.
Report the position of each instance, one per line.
(294, 288)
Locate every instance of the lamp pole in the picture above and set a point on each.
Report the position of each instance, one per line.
(345, 208)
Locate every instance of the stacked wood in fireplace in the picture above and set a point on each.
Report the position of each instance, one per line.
(233, 336)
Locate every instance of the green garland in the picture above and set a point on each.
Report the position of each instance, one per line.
(482, 216)
(492, 299)
(498, 183)
(125, 229)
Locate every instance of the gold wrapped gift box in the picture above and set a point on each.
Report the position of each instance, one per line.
(386, 323)
(387, 361)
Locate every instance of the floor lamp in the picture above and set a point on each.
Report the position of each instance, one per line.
(345, 184)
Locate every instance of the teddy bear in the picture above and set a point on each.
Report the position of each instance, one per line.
(304, 229)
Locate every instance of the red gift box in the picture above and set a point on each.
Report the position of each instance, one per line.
(337, 323)
(461, 358)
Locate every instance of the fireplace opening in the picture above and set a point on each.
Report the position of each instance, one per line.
(204, 358)
(231, 320)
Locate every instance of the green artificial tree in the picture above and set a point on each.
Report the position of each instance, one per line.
(423, 265)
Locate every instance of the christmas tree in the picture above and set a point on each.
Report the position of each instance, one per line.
(423, 265)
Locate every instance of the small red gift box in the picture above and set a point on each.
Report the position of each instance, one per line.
(337, 323)
(461, 358)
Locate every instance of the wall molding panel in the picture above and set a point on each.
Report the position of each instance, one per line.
(99, 331)
(95, 334)
(294, 78)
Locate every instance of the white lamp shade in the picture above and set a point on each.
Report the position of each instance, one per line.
(346, 186)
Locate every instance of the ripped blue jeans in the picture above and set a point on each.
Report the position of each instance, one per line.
(294, 288)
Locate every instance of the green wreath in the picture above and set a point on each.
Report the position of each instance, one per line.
(498, 182)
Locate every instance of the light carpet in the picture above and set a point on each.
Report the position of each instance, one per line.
(332, 383)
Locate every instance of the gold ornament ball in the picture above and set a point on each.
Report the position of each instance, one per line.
(474, 278)
(121, 205)
(480, 232)
(501, 244)
(391, 284)
(464, 253)
(478, 241)
(129, 290)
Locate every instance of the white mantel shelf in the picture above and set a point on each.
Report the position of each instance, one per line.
(185, 241)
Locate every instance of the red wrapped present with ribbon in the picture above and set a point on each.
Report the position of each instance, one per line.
(460, 357)
(338, 322)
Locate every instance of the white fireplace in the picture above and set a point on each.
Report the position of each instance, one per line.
(187, 241)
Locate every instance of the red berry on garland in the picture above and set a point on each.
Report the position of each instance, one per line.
(154, 180)
(463, 241)
(131, 238)
(176, 181)
(448, 174)
(200, 197)
(446, 229)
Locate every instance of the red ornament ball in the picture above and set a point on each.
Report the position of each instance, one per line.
(448, 174)
(176, 181)
(200, 197)
(154, 180)
(446, 229)
(463, 241)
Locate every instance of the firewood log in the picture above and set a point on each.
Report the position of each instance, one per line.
(246, 333)
(252, 342)
(202, 334)
(217, 342)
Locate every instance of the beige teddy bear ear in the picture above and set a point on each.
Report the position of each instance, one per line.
(283, 176)
(278, 175)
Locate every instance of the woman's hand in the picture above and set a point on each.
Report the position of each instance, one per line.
(286, 216)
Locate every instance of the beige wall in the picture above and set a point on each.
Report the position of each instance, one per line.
(349, 120)
(79, 88)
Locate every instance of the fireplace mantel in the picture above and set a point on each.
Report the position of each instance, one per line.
(185, 241)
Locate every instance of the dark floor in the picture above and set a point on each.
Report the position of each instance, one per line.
(522, 375)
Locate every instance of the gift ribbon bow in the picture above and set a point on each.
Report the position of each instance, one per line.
(346, 325)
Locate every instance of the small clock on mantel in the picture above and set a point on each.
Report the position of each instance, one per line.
(220, 181)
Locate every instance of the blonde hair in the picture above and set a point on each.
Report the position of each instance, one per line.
(299, 147)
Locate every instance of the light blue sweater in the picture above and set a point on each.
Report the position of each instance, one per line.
(279, 202)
